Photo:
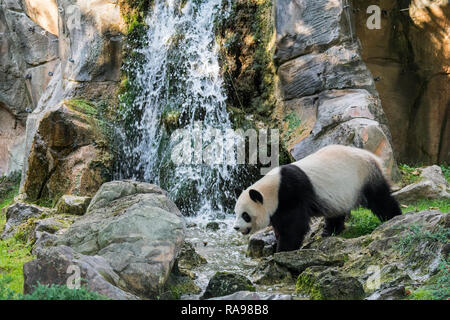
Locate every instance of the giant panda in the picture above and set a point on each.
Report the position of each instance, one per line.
(329, 183)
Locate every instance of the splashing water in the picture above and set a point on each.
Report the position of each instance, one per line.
(182, 89)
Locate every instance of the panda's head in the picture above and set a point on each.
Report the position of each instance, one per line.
(251, 214)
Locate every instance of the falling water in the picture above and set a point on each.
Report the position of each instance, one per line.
(182, 88)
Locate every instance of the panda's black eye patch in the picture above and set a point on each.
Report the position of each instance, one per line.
(246, 217)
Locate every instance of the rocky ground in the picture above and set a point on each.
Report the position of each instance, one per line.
(129, 242)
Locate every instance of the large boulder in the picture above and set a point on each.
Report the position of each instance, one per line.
(136, 229)
(432, 185)
(61, 265)
(349, 117)
(69, 154)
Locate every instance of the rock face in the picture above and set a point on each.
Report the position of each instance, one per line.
(136, 229)
(325, 83)
(432, 185)
(409, 55)
(69, 155)
(89, 59)
(28, 54)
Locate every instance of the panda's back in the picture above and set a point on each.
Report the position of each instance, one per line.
(338, 174)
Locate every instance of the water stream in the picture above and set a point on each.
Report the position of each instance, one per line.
(182, 88)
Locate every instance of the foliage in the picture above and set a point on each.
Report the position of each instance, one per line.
(439, 289)
(409, 174)
(46, 292)
(62, 292)
(13, 254)
(6, 293)
(361, 222)
(418, 235)
(446, 171)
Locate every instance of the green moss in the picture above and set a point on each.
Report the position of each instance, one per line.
(245, 37)
(82, 106)
(306, 284)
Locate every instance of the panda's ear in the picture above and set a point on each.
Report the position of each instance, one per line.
(237, 192)
(256, 196)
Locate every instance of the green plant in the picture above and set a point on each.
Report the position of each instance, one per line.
(62, 292)
(416, 234)
(6, 293)
(361, 222)
(446, 171)
(409, 174)
(439, 289)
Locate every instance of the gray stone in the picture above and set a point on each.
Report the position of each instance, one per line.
(136, 228)
(58, 265)
(301, 259)
(70, 204)
(223, 283)
(316, 72)
(329, 284)
(432, 185)
(349, 117)
(17, 214)
(303, 26)
(249, 295)
(262, 244)
(269, 272)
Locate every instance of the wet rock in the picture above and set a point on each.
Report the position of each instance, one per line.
(262, 244)
(188, 258)
(432, 185)
(322, 283)
(301, 259)
(395, 293)
(70, 204)
(213, 226)
(269, 272)
(223, 283)
(136, 229)
(249, 295)
(58, 265)
(17, 214)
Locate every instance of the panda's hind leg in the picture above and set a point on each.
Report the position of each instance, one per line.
(333, 226)
(380, 201)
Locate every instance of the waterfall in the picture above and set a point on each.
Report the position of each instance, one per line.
(181, 88)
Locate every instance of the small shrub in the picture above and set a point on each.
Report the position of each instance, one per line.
(62, 292)
(417, 235)
(5, 292)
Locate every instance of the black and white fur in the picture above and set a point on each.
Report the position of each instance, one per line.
(329, 183)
